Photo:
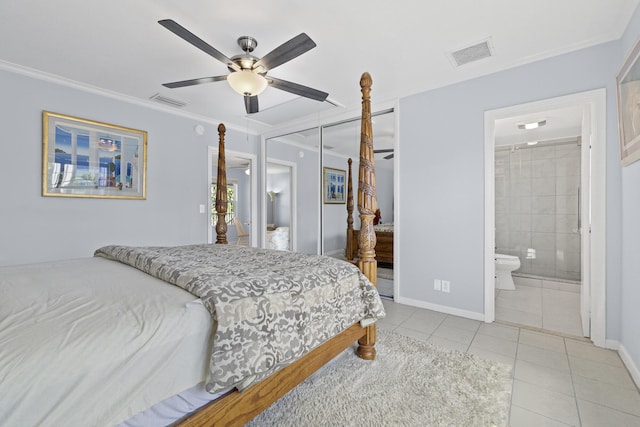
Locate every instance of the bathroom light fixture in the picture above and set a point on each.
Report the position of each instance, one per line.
(532, 125)
(247, 83)
(247, 171)
(532, 142)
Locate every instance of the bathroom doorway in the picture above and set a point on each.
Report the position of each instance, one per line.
(523, 211)
(538, 221)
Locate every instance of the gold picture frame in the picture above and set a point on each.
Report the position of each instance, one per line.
(334, 185)
(87, 158)
(628, 85)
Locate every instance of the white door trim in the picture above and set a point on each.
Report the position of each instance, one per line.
(595, 102)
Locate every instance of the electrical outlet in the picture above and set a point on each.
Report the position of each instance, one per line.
(446, 286)
(437, 285)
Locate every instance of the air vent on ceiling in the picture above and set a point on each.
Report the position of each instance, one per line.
(168, 101)
(472, 53)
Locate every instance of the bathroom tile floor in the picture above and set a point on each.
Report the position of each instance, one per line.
(540, 303)
(557, 381)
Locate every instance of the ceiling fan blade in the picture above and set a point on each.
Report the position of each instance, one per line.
(390, 156)
(187, 35)
(192, 82)
(385, 150)
(297, 89)
(251, 104)
(286, 52)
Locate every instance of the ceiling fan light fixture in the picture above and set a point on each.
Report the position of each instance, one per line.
(247, 83)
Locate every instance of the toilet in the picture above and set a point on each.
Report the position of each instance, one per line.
(505, 264)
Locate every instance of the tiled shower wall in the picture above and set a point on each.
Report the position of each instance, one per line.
(537, 208)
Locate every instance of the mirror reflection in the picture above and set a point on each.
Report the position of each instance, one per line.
(307, 179)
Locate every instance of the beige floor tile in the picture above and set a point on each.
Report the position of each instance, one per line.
(569, 324)
(525, 299)
(430, 315)
(521, 417)
(550, 379)
(490, 355)
(394, 318)
(519, 317)
(542, 340)
(463, 336)
(426, 326)
(586, 350)
(620, 398)
(540, 356)
(594, 415)
(495, 344)
(461, 323)
(550, 404)
(500, 331)
(601, 372)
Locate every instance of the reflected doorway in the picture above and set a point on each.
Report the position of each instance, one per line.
(242, 183)
(280, 205)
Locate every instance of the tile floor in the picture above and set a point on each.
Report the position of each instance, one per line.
(540, 303)
(557, 381)
(385, 287)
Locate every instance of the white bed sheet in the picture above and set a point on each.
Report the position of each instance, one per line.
(94, 342)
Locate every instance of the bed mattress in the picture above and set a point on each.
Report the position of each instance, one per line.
(55, 369)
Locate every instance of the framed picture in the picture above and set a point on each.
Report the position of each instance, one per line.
(85, 158)
(628, 80)
(334, 181)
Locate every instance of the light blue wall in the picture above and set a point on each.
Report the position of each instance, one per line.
(630, 289)
(441, 174)
(35, 228)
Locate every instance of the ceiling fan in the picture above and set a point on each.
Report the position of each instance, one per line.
(248, 74)
(388, 150)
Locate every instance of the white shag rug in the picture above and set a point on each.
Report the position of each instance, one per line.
(411, 383)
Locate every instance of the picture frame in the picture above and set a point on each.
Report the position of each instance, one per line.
(628, 94)
(334, 185)
(87, 158)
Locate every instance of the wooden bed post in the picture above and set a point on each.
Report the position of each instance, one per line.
(221, 190)
(349, 249)
(367, 205)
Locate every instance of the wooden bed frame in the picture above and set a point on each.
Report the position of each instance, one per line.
(384, 239)
(237, 408)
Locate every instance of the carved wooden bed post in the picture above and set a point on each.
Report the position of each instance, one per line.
(367, 205)
(221, 190)
(349, 249)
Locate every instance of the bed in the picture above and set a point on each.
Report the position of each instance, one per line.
(383, 232)
(100, 340)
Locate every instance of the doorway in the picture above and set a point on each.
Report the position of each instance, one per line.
(281, 205)
(591, 127)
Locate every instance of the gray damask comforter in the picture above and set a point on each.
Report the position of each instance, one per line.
(271, 307)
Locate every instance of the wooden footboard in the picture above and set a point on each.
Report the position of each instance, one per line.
(236, 409)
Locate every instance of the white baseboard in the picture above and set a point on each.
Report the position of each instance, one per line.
(630, 364)
(612, 344)
(441, 308)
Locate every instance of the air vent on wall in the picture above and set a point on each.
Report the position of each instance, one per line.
(472, 53)
(168, 101)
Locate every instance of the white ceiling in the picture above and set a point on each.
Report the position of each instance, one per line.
(405, 45)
